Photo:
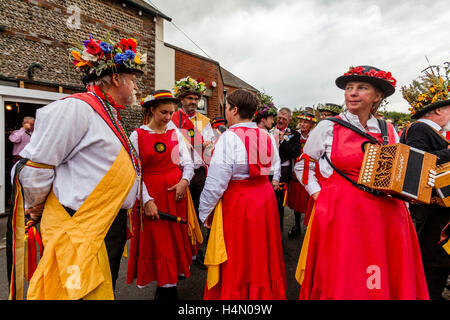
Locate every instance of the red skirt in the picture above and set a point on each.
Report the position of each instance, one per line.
(362, 247)
(255, 266)
(297, 197)
(162, 250)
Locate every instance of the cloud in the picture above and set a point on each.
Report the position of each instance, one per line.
(295, 50)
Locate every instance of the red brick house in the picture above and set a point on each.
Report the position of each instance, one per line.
(219, 81)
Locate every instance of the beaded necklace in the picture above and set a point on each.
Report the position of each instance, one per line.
(121, 129)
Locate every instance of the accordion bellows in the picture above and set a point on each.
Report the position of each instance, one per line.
(398, 169)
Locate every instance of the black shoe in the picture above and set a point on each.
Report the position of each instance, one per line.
(295, 232)
(199, 260)
(166, 294)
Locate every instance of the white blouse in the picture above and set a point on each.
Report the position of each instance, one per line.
(320, 141)
(71, 136)
(186, 164)
(229, 162)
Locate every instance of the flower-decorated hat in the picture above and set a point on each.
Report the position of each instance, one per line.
(187, 86)
(158, 96)
(429, 92)
(307, 116)
(378, 78)
(331, 107)
(265, 108)
(98, 58)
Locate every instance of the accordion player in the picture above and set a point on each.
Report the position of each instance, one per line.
(442, 185)
(398, 170)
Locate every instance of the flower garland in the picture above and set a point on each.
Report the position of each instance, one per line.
(372, 73)
(188, 84)
(429, 88)
(266, 106)
(98, 56)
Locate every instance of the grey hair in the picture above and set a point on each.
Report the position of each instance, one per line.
(286, 110)
(103, 81)
(28, 119)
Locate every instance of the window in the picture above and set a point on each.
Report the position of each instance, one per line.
(203, 105)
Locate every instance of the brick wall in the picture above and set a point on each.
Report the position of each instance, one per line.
(37, 32)
(195, 66)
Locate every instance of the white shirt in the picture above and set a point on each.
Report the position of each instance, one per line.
(71, 136)
(208, 135)
(320, 141)
(186, 163)
(229, 162)
(431, 123)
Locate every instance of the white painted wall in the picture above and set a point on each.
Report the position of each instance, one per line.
(164, 60)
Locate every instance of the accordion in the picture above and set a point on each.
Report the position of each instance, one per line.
(442, 185)
(398, 169)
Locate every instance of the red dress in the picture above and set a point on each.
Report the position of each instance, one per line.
(162, 250)
(362, 247)
(255, 266)
(321, 180)
(298, 197)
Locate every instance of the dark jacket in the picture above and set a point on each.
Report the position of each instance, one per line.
(289, 151)
(429, 219)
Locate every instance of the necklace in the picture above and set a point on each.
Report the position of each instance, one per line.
(123, 133)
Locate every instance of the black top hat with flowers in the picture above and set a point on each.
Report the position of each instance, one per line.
(331, 107)
(98, 58)
(378, 78)
(429, 92)
(158, 96)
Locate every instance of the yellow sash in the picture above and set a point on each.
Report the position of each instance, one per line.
(75, 262)
(447, 247)
(203, 121)
(216, 252)
(19, 260)
(301, 266)
(194, 231)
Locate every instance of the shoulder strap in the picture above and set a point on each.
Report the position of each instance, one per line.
(353, 128)
(384, 130)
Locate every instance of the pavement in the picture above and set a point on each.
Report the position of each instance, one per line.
(191, 288)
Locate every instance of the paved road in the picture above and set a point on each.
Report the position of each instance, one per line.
(189, 289)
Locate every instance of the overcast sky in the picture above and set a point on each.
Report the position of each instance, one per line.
(295, 49)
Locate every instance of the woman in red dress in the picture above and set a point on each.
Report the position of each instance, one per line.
(160, 250)
(244, 246)
(360, 246)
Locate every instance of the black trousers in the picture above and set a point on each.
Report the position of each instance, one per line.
(430, 220)
(285, 178)
(196, 187)
(115, 240)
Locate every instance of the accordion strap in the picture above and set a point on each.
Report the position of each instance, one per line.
(381, 123)
(354, 183)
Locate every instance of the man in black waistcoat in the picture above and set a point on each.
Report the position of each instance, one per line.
(289, 149)
(430, 220)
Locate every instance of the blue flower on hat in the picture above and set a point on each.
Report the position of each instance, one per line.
(106, 47)
(120, 58)
(129, 55)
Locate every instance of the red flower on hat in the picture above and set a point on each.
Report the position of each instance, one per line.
(372, 73)
(93, 47)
